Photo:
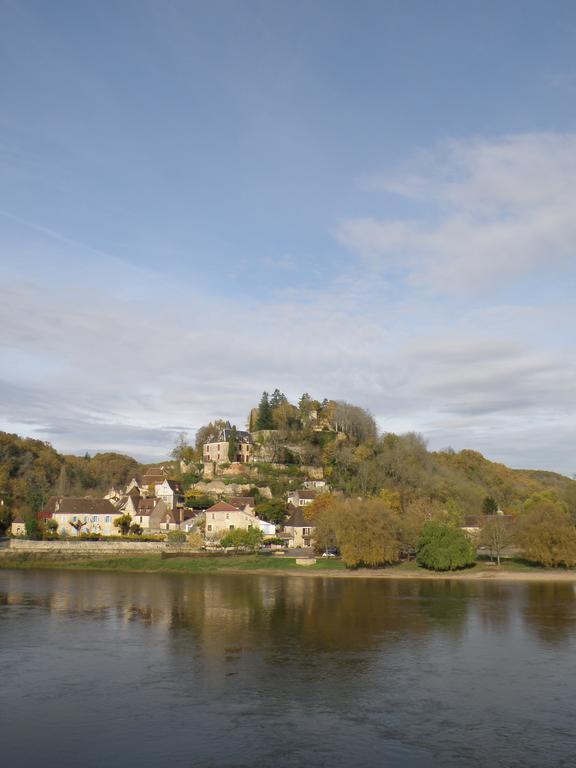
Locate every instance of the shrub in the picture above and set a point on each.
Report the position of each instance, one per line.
(176, 537)
(442, 547)
(241, 537)
(546, 534)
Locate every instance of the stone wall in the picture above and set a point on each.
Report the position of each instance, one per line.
(87, 547)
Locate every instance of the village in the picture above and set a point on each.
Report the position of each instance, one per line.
(155, 505)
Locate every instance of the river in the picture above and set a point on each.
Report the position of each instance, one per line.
(228, 671)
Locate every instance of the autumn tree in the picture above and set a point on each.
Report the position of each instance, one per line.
(271, 510)
(546, 533)
(208, 432)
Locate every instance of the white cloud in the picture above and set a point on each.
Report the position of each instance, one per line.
(497, 211)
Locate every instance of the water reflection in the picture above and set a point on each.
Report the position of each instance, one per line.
(270, 670)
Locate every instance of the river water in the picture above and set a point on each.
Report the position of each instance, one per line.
(224, 670)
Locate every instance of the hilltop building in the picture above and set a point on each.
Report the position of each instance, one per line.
(218, 449)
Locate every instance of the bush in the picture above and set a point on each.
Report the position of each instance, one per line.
(176, 537)
(442, 547)
(241, 537)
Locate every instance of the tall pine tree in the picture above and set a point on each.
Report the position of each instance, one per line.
(264, 420)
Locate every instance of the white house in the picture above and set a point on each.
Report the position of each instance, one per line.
(76, 515)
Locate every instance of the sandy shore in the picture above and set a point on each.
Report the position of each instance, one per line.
(468, 575)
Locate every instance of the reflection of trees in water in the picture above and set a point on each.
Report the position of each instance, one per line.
(549, 611)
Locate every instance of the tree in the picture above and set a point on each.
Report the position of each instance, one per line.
(264, 420)
(123, 523)
(208, 432)
(271, 510)
(489, 506)
(496, 534)
(442, 547)
(545, 532)
(182, 450)
(241, 537)
(78, 525)
(278, 398)
(33, 529)
(233, 444)
(136, 530)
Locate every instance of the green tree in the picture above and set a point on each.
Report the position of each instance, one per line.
(264, 420)
(277, 398)
(240, 537)
(233, 444)
(136, 530)
(442, 547)
(34, 529)
(123, 524)
(271, 510)
(489, 506)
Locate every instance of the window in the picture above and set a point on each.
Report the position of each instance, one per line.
(227, 516)
(107, 518)
(231, 527)
(74, 519)
(209, 527)
(94, 518)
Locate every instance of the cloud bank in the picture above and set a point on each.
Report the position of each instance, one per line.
(456, 321)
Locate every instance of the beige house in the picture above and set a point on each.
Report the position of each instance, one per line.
(76, 515)
(223, 517)
(217, 449)
(300, 530)
(170, 493)
(18, 527)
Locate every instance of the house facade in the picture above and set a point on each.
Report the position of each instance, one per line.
(18, 527)
(77, 515)
(170, 493)
(222, 517)
(299, 530)
(217, 450)
(301, 498)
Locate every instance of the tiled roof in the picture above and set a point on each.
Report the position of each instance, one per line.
(243, 501)
(298, 520)
(74, 505)
(222, 506)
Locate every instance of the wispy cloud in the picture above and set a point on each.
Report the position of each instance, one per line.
(496, 210)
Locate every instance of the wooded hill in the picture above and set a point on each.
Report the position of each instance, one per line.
(339, 438)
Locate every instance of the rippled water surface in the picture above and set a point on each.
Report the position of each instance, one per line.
(224, 670)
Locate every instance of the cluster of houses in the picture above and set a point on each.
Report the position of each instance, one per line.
(156, 505)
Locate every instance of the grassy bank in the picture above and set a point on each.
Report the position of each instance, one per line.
(510, 570)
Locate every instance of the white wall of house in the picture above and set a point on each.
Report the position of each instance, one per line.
(218, 522)
(299, 536)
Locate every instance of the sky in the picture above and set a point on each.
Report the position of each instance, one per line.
(367, 201)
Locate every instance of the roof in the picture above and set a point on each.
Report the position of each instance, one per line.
(175, 486)
(74, 505)
(222, 506)
(18, 519)
(298, 520)
(243, 501)
(307, 494)
(145, 506)
(153, 475)
(242, 436)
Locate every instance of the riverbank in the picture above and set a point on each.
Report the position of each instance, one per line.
(257, 564)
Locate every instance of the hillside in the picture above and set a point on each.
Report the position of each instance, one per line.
(334, 440)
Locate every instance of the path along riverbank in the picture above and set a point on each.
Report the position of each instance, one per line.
(510, 571)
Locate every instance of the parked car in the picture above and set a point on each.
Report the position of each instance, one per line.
(331, 552)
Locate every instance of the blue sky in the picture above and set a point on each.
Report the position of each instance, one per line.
(372, 201)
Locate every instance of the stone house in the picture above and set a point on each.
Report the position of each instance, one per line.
(217, 449)
(223, 517)
(18, 527)
(170, 492)
(92, 515)
(153, 476)
(301, 498)
(299, 530)
(315, 485)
